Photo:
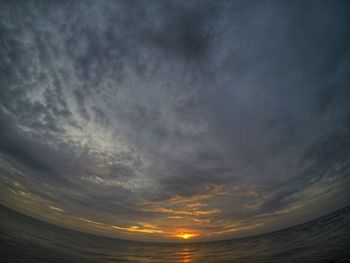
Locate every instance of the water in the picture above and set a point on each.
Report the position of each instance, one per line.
(24, 239)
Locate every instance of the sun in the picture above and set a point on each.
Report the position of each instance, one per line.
(185, 235)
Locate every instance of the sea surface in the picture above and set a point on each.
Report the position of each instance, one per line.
(24, 239)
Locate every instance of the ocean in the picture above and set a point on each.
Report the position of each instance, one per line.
(24, 239)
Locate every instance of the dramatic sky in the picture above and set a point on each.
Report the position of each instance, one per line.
(163, 120)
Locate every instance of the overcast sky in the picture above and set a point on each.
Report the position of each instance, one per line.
(149, 120)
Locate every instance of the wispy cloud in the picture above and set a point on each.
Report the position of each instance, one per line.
(211, 117)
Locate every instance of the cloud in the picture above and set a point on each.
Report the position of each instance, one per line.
(210, 114)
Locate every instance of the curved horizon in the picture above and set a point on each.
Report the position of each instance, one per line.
(175, 121)
(177, 241)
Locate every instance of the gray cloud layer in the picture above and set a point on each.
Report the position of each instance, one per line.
(108, 109)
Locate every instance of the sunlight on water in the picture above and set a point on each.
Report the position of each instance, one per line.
(185, 255)
(24, 239)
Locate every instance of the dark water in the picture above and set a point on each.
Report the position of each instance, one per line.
(24, 239)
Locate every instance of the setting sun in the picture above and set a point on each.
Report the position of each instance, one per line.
(185, 235)
(175, 131)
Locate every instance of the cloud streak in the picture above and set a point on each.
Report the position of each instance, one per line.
(215, 118)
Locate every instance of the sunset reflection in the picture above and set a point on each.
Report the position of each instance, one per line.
(185, 255)
(175, 122)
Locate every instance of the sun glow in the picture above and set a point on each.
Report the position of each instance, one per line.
(185, 235)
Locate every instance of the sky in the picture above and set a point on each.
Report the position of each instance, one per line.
(175, 120)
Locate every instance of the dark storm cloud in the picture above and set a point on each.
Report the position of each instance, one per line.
(122, 107)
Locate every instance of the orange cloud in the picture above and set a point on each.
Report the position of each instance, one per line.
(147, 229)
